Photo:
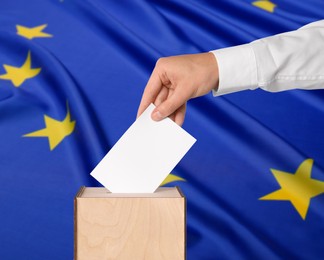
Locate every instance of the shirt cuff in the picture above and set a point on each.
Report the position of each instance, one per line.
(237, 69)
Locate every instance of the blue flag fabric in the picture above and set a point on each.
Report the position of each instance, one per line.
(71, 78)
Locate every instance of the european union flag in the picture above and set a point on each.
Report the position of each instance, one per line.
(71, 79)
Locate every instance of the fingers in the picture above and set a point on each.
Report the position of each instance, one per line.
(180, 115)
(175, 101)
(162, 96)
(152, 89)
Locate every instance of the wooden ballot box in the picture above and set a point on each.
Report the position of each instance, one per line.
(129, 225)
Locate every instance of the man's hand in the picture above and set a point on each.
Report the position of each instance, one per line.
(177, 79)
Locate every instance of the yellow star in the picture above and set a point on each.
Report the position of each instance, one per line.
(298, 188)
(265, 5)
(55, 130)
(18, 75)
(34, 32)
(171, 178)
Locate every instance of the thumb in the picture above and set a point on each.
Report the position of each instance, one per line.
(168, 107)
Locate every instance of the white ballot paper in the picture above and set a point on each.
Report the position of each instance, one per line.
(144, 156)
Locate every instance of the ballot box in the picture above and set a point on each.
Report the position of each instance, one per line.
(129, 225)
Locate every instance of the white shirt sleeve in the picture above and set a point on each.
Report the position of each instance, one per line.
(292, 60)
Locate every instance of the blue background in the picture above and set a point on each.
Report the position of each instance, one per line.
(98, 62)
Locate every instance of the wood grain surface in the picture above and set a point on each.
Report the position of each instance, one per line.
(130, 228)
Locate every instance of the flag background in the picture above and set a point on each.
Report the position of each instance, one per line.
(96, 65)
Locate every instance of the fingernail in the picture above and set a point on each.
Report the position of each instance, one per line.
(156, 116)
